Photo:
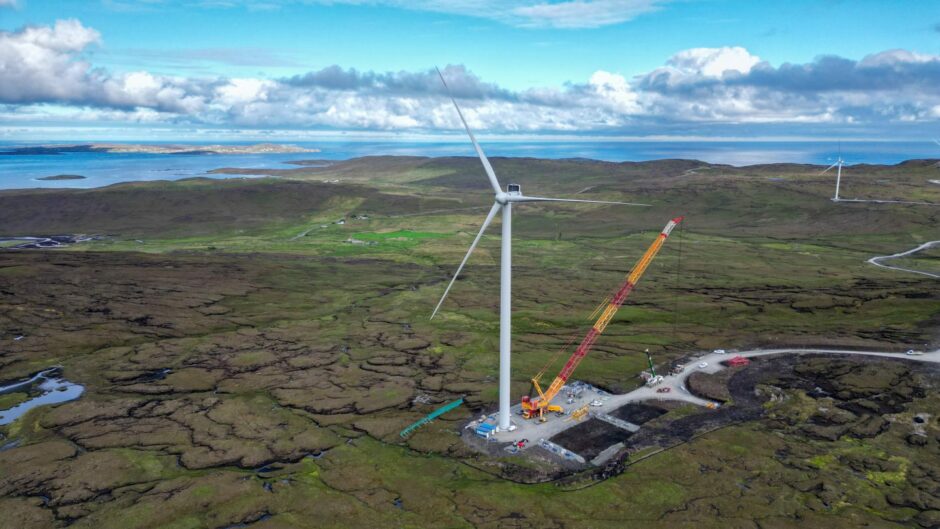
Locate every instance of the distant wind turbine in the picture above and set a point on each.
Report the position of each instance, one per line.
(839, 163)
(503, 202)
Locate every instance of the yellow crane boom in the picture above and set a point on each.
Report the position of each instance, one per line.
(536, 406)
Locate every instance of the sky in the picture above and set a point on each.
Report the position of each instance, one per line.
(573, 69)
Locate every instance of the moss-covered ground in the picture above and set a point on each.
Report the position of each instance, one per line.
(245, 364)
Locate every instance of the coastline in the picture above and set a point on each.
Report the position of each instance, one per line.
(145, 162)
(142, 148)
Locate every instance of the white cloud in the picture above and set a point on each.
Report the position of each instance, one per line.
(141, 89)
(243, 91)
(564, 14)
(891, 57)
(521, 13)
(696, 64)
(615, 91)
(583, 13)
(45, 78)
(45, 64)
(713, 62)
(41, 61)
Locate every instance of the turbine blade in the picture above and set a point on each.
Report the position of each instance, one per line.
(935, 140)
(486, 223)
(486, 162)
(828, 168)
(546, 199)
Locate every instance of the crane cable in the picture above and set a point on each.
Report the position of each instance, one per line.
(574, 336)
(554, 357)
(675, 308)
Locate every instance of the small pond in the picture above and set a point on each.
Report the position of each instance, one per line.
(44, 388)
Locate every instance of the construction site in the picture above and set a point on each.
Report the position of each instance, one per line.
(572, 425)
(575, 424)
(574, 420)
(588, 426)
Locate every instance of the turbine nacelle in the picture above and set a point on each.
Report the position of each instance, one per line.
(838, 163)
(512, 194)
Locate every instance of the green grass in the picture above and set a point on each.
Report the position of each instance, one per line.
(891, 477)
(823, 461)
(12, 399)
(763, 264)
(398, 234)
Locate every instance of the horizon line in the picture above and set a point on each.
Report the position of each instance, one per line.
(120, 135)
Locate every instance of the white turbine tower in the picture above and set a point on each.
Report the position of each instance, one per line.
(503, 202)
(839, 163)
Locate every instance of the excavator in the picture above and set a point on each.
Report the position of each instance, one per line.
(535, 407)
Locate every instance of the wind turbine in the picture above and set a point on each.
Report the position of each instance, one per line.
(503, 202)
(839, 163)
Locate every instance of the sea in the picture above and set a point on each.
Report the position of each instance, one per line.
(103, 169)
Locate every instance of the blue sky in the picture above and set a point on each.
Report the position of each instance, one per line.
(535, 58)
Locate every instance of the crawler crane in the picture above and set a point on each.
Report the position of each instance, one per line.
(537, 406)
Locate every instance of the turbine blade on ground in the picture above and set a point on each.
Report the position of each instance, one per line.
(486, 162)
(489, 218)
(546, 199)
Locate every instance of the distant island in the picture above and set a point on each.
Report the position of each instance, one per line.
(62, 177)
(129, 148)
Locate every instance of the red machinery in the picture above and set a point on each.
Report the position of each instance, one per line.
(738, 361)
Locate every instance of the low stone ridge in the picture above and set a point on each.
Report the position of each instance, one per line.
(128, 148)
(57, 177)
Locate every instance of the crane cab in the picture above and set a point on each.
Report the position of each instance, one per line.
(537, 406)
